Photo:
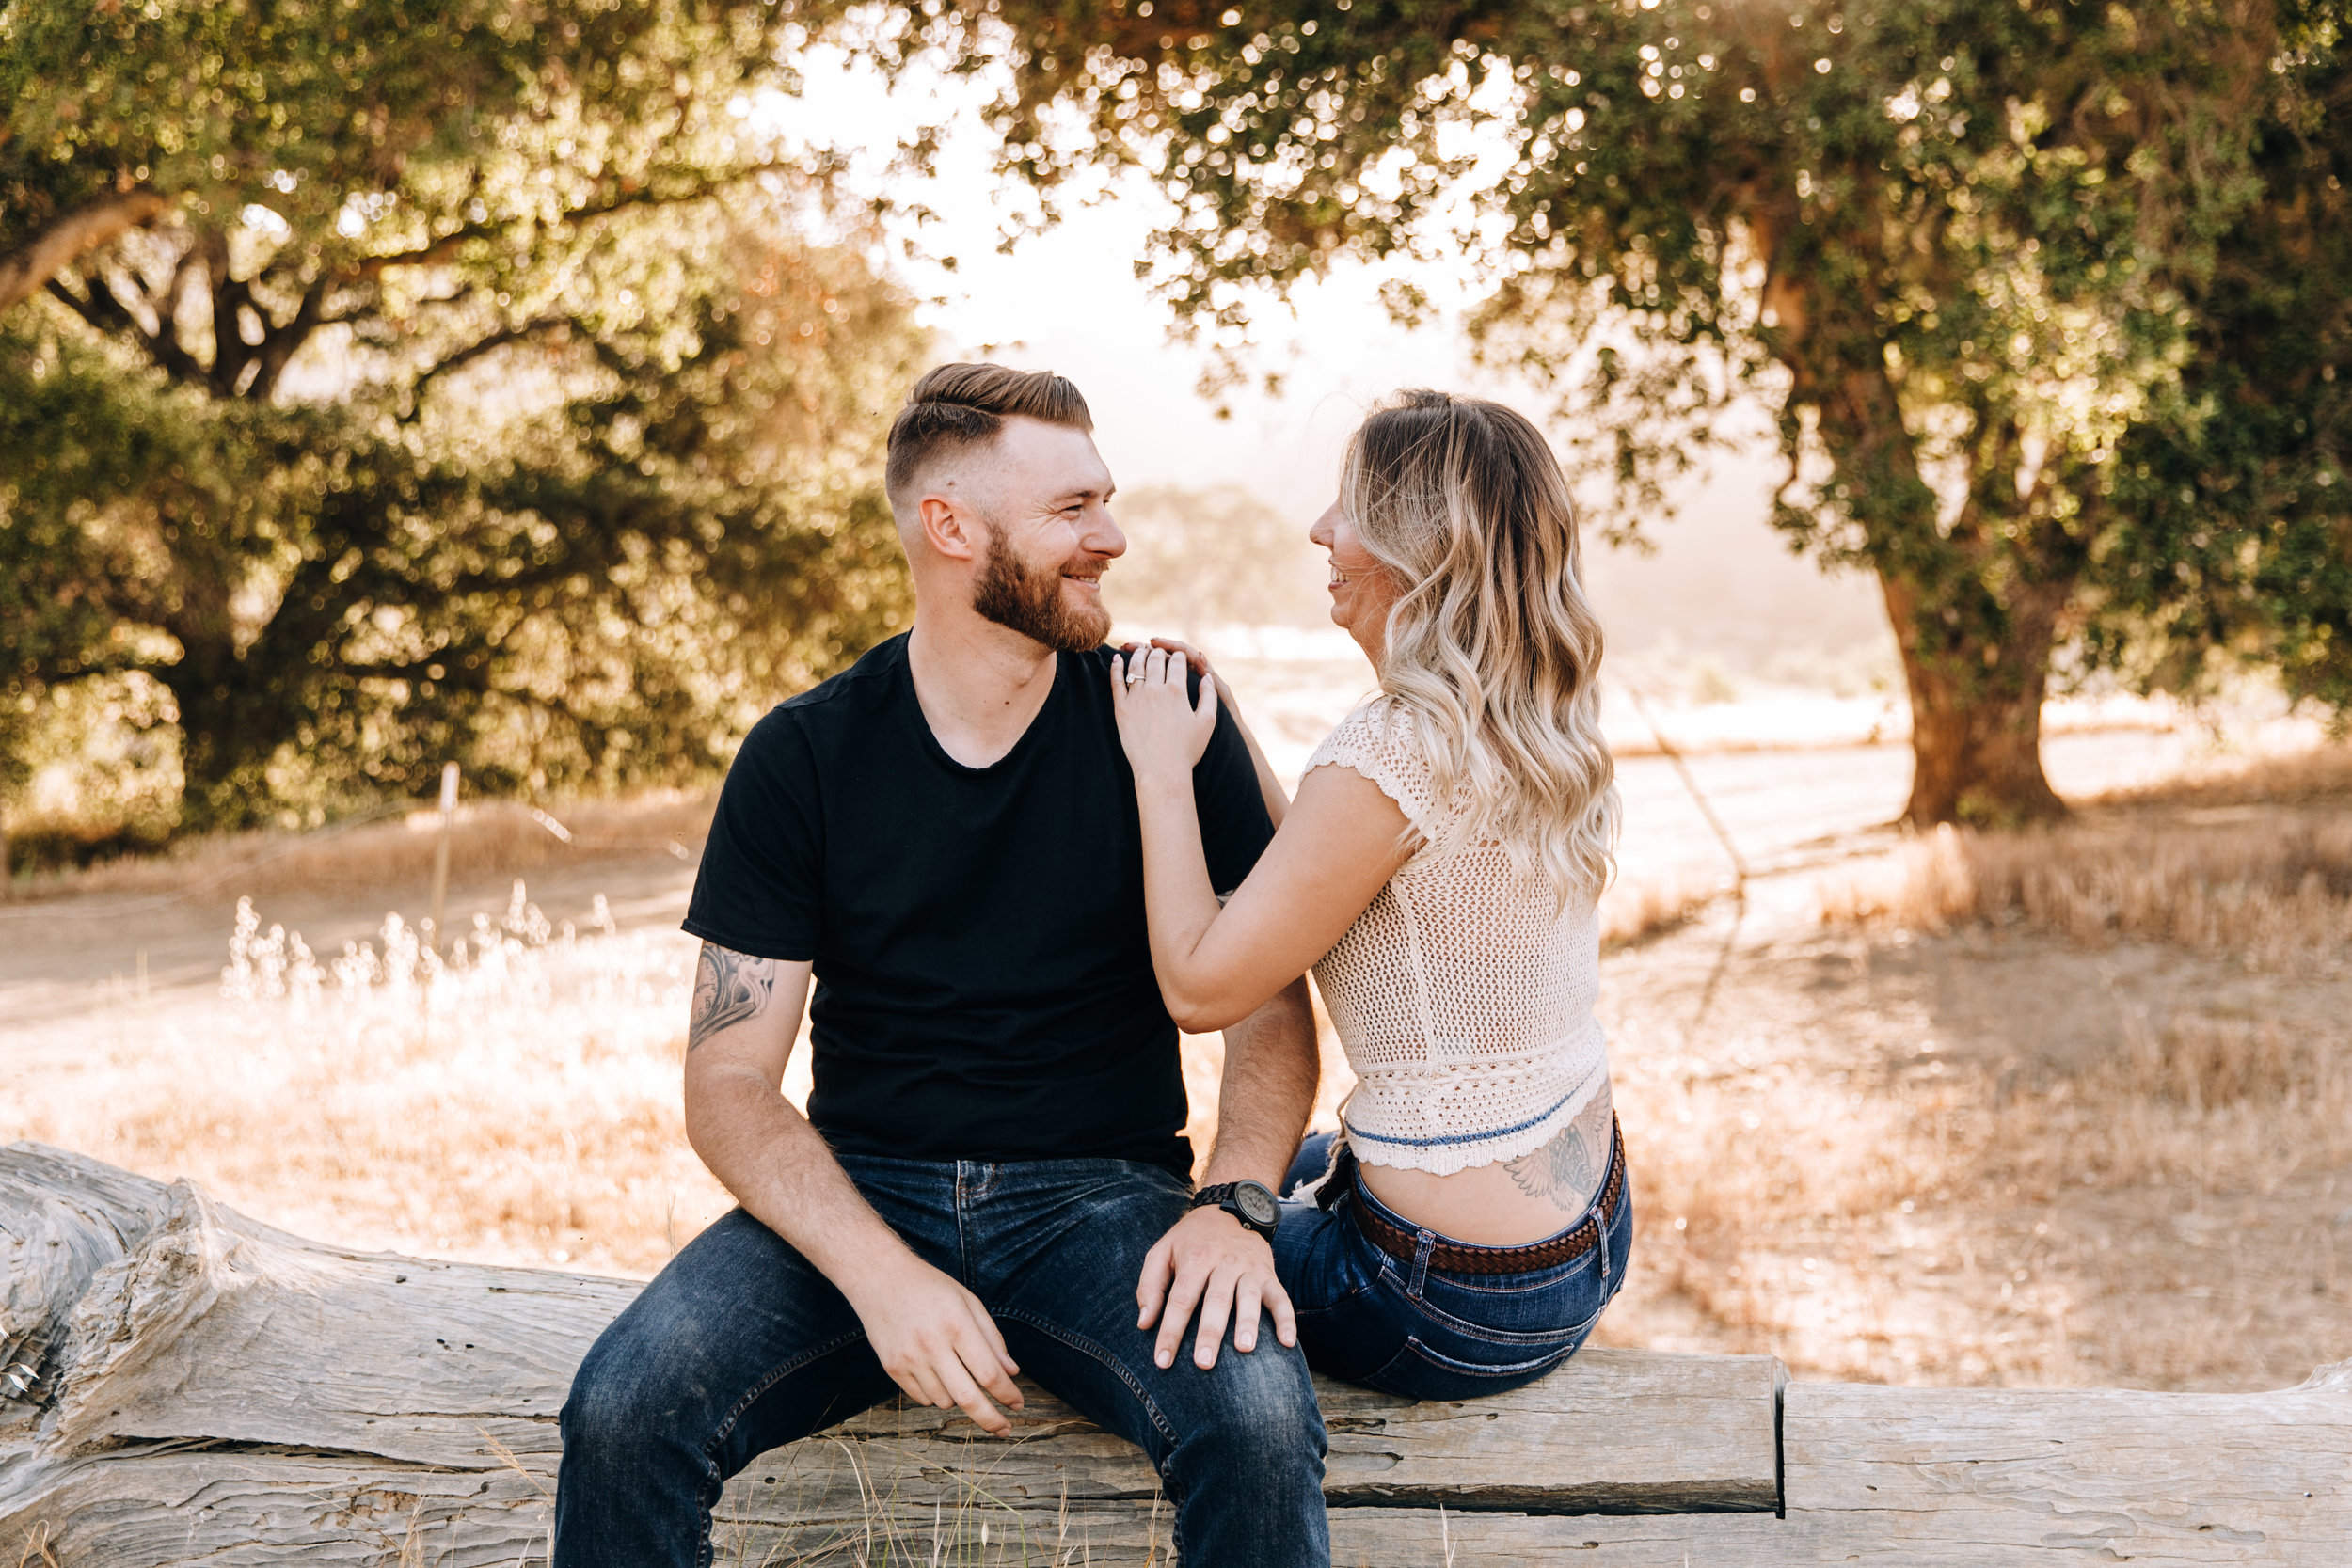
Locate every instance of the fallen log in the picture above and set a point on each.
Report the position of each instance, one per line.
(196, 1386)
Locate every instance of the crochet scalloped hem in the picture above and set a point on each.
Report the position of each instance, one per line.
(1445, 1154)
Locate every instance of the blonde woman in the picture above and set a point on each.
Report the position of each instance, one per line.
(1438, 872)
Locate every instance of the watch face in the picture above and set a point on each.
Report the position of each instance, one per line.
(1257, 1204)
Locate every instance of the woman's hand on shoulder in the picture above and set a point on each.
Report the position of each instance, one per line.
(1198, 662)
(1160, 728)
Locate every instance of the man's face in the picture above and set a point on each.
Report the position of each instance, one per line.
(1049, 536)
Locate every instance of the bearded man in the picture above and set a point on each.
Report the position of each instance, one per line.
(992, 1175)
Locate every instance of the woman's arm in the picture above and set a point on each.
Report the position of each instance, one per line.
(1341, 842)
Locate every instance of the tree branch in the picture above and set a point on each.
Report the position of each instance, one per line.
(281, 342)
(449, 245)
(471, 352)
(72, 235)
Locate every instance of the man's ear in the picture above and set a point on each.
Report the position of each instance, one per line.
(949, 528)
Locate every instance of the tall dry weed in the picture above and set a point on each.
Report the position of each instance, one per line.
(515, 1099)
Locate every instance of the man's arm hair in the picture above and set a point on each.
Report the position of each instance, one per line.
(932, 1335)
(739, 1041)
(1268, 1089)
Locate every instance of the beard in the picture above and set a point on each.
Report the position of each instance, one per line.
(1028, 599)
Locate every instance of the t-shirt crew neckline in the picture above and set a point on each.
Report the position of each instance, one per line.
(939, 754)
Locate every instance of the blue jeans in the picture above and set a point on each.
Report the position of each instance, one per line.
(1425, 1332)
(740, 1346)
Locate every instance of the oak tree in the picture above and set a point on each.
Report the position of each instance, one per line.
(2046, 299)
(402, 380)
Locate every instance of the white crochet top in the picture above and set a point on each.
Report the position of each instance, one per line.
(1463, 994)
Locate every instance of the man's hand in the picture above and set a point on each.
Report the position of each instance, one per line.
(1211, 1260)
(938, 1342)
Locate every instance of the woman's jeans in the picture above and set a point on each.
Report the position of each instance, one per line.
(1427, 1332)
(740, 1346)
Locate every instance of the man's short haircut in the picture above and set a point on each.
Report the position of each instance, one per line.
(965, 405)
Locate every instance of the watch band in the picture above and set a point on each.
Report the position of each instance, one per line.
(1225, 1196)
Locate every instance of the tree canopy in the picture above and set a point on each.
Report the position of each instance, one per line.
(403, 380)
(2048, 300)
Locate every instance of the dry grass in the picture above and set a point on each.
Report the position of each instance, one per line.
(506, 838)
(2272, 891)
(1888, 1168)
(2321, 775)
(1967, 1221)
(519, 1103)
(1636, 909)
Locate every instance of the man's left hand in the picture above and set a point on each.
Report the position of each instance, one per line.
(1212, 1261)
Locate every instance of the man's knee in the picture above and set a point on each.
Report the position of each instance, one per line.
(604, 1399)
(627, 1388)
(1265, 1413)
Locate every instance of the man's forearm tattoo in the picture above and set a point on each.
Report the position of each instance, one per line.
(1569, 1169)
(729, 986)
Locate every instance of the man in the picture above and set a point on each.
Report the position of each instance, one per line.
(991, 1176)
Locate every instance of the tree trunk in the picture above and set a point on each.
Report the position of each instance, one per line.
(180, 1385)
(230, 721)
(1975, 708)
(190, 1385)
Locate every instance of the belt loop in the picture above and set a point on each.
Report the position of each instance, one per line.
(1424, 1242)
(1601, 1213)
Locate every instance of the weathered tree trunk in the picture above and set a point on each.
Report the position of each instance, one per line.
(1976, 711)
(1976, 605)
(206, 1389)
(227, 732)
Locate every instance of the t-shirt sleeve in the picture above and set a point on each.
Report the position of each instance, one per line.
(1234, 827)
(761, 888)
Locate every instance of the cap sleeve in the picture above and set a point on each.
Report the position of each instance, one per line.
(1378, 742)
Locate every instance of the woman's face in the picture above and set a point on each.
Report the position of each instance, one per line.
(1362, 589)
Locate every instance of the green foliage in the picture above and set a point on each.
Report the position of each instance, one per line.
(490, 388)
(1969, 253)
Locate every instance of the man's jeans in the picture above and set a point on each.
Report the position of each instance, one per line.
(740, 1346)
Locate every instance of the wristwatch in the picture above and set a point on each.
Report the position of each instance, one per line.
(1251, 1202)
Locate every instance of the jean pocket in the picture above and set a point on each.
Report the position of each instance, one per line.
(1419, 1373)
(1562, 1311)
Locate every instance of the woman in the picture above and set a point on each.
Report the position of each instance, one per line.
(1437, 871)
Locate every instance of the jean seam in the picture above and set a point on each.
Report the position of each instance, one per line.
(708, 1495)
(1439, 1319)
(1414, 1344)
(1101, 1353)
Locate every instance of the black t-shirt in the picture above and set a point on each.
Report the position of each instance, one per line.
(984, 986)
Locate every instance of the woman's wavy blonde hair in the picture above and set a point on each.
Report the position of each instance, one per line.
(1492, 647)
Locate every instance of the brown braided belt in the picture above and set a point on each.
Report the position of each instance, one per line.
(1462, 1258)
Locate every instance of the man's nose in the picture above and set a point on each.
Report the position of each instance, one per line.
(1104, 538)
